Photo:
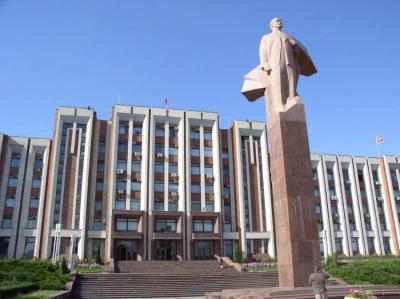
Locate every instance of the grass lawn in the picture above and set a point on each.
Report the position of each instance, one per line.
(90, 270)
(261, 269)
(372, 270)
(41, 294)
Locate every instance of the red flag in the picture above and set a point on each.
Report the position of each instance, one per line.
(379, 139)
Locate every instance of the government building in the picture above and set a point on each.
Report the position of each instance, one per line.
(166, 184)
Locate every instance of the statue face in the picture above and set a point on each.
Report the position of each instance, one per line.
(276, 23)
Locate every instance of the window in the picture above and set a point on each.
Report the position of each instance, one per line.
(209, 206)
(137, 148)
(348, 192)
(7, 222)
(318, 209)
(338, 245)
(98, 205)
(393, 175)
(15, 161)
(166, 225)
(36, 183)
(332, 192)
(172, 206)
(365, 209)
(121, 184)
(314, 174)
(137, 131)
(320, 226)
(195, 152)
(173, 151)
(203, 226)
(135, 205)
(321, 246)
(346, 174)
(194, 134)
(136, 167)
(195, 188)
(29, 246)
(383, 226)
(38, 163)
(173, 168)
(136, 186)
(123, 129)
(225, 155)
(12, 182)
(360, 175)
(102, 147)
(159, 206)
(173, 133)
(196, 206)
(159, 167)
(209, 189)
(10, 202)
(227, 192)
(159, 149)
(160, 131)
(99, 185)
(122, 147)
(225, 172)
(159, 187)
(34, 203)
(316, 192)
(207, 135)
(386, 245)
(352, 226)
(173, 187)
(195, 170)
(97, 224)
(127, 224)
(121, 164)
(208, 171)
(32, 222)
(120, 204)
(208, 152)
(354, 245)
(336, 226)
(371, 245)
(329, 174)
(100, 166)
(349, 208)
(334, 208)
(367, 226)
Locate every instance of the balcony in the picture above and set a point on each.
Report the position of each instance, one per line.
(167, 236)
(205, 236)
(126, 234)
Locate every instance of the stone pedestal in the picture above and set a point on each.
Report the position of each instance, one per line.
(296, 230)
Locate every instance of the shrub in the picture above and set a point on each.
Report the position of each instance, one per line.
(63, 266)
(237, 255)
(11, 290)
(97, 257)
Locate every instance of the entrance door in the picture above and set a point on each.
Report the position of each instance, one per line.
(203, 250)
(165, 250)
(126, 250)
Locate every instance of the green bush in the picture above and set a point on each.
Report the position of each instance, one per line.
(13, 289)
(372, 270)
(237, 255)
(97, 257)
(42, 274)
(63, 266)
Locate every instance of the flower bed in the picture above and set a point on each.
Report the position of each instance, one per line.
(260, 267)
(360, 293)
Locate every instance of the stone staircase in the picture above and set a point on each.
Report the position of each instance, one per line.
(173, 279)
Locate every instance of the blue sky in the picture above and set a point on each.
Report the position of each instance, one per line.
(86, 53)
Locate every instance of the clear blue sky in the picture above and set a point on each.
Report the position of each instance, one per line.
(81, 53)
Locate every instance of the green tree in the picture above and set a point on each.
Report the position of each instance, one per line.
(63, 266)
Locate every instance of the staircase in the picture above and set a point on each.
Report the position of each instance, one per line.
(157, 279)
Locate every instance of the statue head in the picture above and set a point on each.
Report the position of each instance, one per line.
(276, 23)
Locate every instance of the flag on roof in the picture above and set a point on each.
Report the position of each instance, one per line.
(379, 139)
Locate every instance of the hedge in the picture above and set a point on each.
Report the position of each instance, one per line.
(11, 290)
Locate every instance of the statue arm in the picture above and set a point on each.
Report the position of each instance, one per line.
(264, 55)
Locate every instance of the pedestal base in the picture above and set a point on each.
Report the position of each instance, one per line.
(297, 238)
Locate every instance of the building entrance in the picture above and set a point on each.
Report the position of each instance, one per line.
(165, 250)
(126, 250)
(203, 250)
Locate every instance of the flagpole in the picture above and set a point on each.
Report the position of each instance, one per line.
(377, 149)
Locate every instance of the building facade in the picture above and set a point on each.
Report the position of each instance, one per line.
(166, 184)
